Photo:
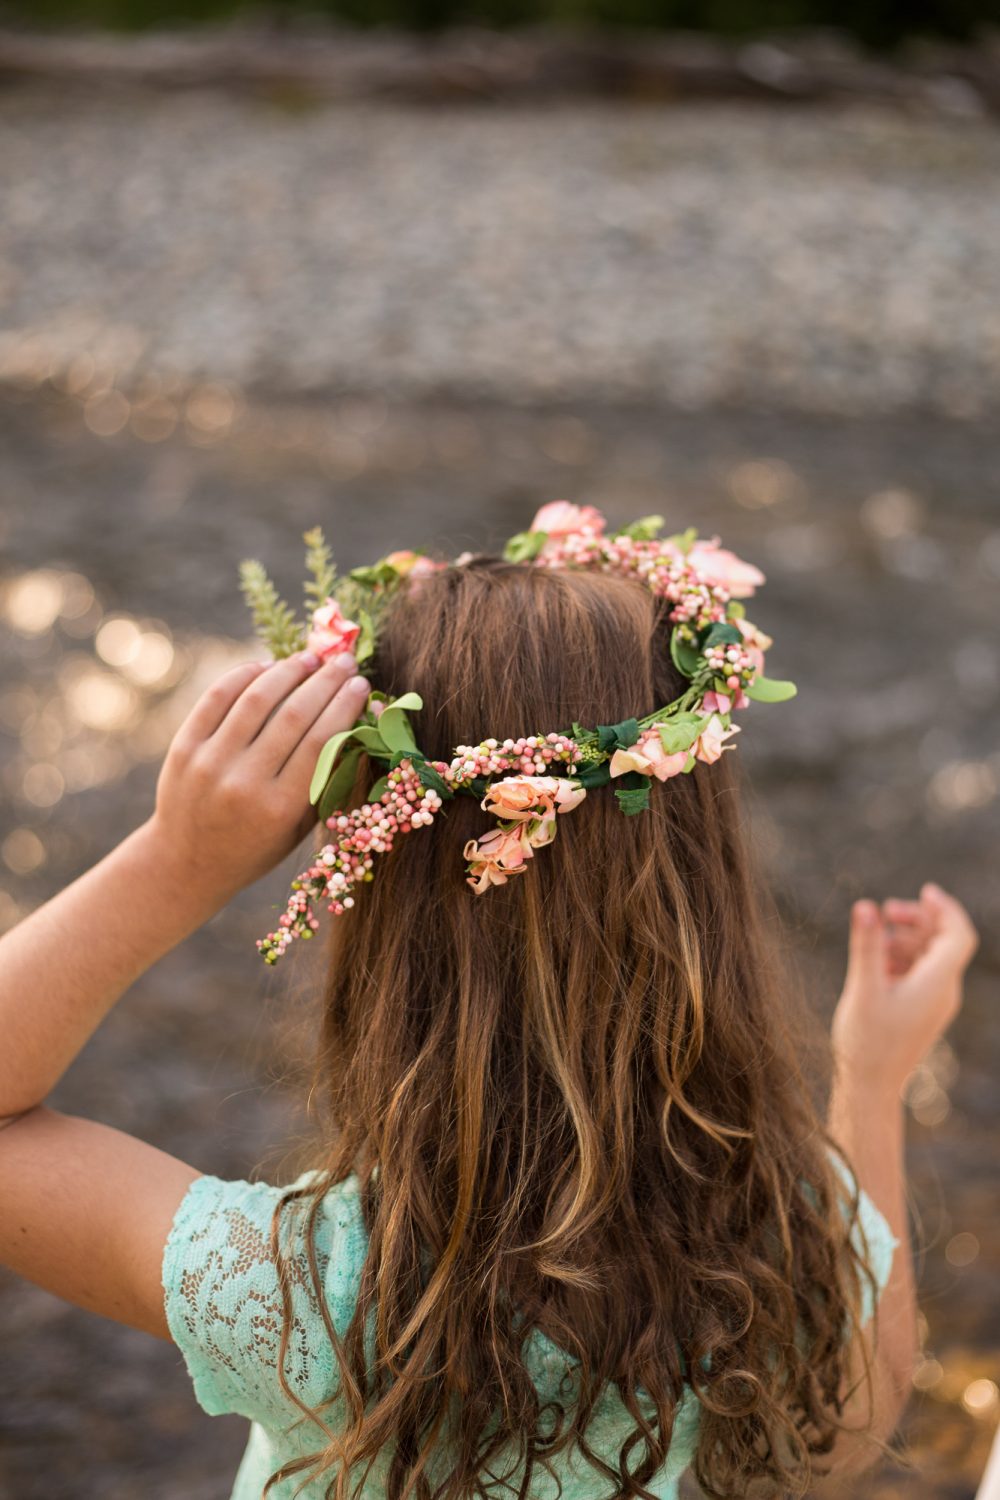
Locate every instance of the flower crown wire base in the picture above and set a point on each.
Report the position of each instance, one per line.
(712, 644)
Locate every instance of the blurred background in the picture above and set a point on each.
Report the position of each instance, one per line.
(376, 265)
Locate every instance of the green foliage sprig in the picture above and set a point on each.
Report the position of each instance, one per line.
(321, 569)
(363, 595)
(274, 620)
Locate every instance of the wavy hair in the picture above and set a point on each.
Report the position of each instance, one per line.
(578, 1102)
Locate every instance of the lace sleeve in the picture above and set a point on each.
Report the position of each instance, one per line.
(223, 1300)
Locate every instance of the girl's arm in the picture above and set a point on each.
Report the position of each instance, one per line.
(84, 1210)
(903, 989)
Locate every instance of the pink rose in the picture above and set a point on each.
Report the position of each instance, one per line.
(724, 703)
(716, 565)
(522, 798)
(560, 518)
(709, 744)
(648, 756)
(495, 856)
(413, 564)
(756, 643)
(331, 632)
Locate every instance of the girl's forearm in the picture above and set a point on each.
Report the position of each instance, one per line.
(231, 802)
(867, 1120)
(64, 966)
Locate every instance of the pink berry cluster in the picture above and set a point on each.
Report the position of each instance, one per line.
(405, 804)
(530, 756)
(732, 662)
(347, 861)
(664, 570)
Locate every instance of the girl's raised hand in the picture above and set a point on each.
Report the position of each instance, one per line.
(906, 964)
(233, 794)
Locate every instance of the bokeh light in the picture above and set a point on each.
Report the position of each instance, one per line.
(981, 1398)
(962, 1249)
(31, 603)
(22, 851)
(100, 700)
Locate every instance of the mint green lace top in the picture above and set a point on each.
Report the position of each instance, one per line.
(223, 1308)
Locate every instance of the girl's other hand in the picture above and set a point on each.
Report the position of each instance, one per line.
(233, 794)
(903, 989)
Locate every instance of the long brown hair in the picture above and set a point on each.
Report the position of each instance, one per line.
(576, 1102)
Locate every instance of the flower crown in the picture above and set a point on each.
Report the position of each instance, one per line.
(712, 644)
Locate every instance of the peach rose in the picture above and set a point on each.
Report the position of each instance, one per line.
(648, 756)
(495, 856)
(542, 830)
(709, 744)
(521, 798)
(331, 632)
(716, 565)
(560, 518)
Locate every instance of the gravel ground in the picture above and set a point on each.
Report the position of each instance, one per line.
(223, 320)
(822, 261)
(881, 542)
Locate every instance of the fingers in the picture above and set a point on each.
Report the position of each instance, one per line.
(341, 712)
(865, 955)
(253, 707)
(909, 929)
(933, 935)
(955, 936)
(296, 716)
(901, 912)
(902, 951)
(214, 704)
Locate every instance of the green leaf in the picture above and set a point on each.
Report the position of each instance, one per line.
(370, 736)
(324, 763)
(377, 789)
(685, 540)
(643, 530)
(375, 575)
(680, 732)
(736, 609)
(615, 736)
(722, 634)
(593, 773)
(686, 657)
(597, 773)
(525, 546)
(341, 784)
(770, 690)
(691, 763)
(431, 778)
(633, 800)
(364, 646)
(409, 701)
(394, 727)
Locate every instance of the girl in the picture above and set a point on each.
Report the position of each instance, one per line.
(575, 1225)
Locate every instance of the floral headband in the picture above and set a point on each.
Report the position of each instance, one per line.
(713, 645)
